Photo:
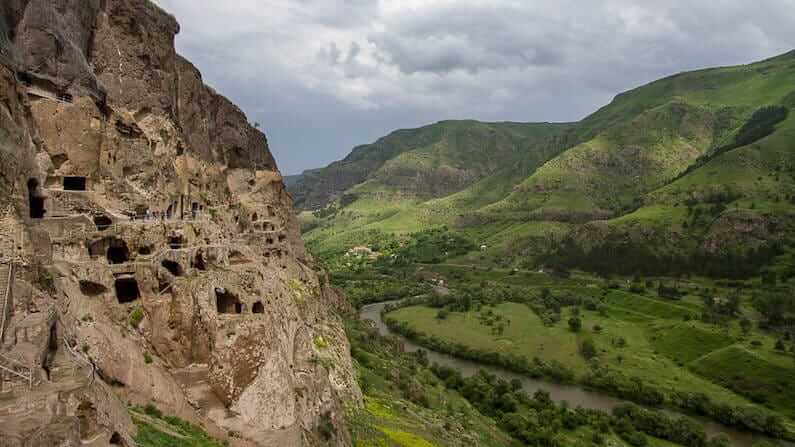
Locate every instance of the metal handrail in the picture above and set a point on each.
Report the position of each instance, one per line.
(28, 378)
(16, 364)
(54, 314)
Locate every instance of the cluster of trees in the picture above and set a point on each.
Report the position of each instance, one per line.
(680, 430)
(777, 307)
(669, 292)
(364, 289)
(432, 247)
(539, 421)
(726, 305)
(626, 258)
(629, 388)
(747, 418)
(535, 421)
(496, 322)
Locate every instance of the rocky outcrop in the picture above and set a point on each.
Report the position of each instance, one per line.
(155, 229)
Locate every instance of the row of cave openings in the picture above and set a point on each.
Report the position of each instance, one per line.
(228, 303)
(127, 291)
(116, 251)
(125, 286)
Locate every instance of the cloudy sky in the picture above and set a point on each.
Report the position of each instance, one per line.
(322, 76)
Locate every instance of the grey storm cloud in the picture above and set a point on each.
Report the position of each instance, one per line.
(324, 75)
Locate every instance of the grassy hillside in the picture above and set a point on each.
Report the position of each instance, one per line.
(696, 163)
(432, 161)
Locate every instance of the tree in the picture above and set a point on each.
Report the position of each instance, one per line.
(575, 324)
(745, 325)
(588, 349)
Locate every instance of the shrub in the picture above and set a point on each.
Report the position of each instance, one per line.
(588, 349)
(153, 411)
(136, 316)
(575, 324)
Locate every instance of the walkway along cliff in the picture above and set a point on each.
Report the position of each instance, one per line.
(148, 249)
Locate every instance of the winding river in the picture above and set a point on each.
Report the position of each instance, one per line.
(574, 395)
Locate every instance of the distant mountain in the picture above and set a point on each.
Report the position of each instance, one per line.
(699, 163)
(432, 161)
(291, 180)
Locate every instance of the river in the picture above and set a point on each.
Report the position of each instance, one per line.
(574, 395)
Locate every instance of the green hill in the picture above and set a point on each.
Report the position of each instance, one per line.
(432, 161)
(698, 165)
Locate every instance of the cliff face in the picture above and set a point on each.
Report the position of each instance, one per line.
(150, 239)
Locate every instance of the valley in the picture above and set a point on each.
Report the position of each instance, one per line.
(620, 278)
(638, 263)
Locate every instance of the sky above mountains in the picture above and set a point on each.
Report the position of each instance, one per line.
(322, 76)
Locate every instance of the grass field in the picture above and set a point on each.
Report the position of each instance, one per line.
(661, 348)
(741, 370)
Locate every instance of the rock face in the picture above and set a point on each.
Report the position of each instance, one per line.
(151, 244)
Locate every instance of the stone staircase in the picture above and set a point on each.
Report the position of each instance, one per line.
(6, 283)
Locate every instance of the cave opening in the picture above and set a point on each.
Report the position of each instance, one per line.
(102, 222)
(115, 439)
(198, 261)
(173, 267)
(227, 303)
(91, 288)
(35, 200)
(254, 217)
(52, 349)
(74, 183)
(176, 242)
(258, 308)
(145, 250)
(127, 290)
(118, 253)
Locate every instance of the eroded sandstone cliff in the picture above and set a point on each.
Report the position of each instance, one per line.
(149, 245)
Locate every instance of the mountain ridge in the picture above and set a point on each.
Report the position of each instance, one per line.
(615, 162)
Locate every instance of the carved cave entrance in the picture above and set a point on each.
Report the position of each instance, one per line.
(118, 253)
(198, 261)
(127, 290)
(91, 288)
(173, 267)
(227, 303)
(35, 200)
(258, 308)
(176, 242)
(102, 222)
(74, 183)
